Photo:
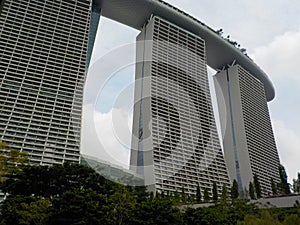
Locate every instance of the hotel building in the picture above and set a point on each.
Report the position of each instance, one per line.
(175, 144)
(248, 140)
(45, 51)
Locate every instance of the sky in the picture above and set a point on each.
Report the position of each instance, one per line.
(269, 30)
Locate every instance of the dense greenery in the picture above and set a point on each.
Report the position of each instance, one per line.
(234, 190)
(283, 186)
(257, 186)
(75, 194)
(296, 184)
(251, 191)
(11, 161)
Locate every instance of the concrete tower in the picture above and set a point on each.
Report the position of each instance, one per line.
(249, 144)
(175, 144)
(45, 50)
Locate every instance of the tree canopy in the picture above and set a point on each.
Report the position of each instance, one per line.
(296, 184)
(234, 190)
(11, 161)
(74, 194)
(257, 186)
(283, 186)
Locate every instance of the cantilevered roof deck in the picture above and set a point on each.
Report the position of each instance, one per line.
(220, 52)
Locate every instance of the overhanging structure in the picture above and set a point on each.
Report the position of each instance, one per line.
(219, 52)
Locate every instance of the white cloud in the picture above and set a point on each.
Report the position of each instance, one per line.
(288, 143)
(280, 57)
(111, 34)
(246, 21)
(107, 136)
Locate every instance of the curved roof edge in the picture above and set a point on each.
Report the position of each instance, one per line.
(219, 52)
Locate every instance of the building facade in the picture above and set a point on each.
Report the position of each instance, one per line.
(46, 47)
(248, 140)
(45, 50)
(175, 145)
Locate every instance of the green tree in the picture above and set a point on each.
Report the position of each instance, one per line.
(265, 219)
(198, 194)
(273, 186)
(206, 197)
(53, 181)
(296, 184)
(192, 216)
(215, 191)
(234, 190)
(190, 198)
(257, 186)
(122, 203)
(25, 210)
(219, 214)
(176, 198)
(251, 191)
(11, 161)
(141, 193)
(10, 207)
(79, 207)
(283, 186)
(157, 211)
(35, 212)
(291, 219)
(224, 193)
(183, 195)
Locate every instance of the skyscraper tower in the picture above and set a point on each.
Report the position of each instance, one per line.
(45, 50)
(175, 144)
(249, 144)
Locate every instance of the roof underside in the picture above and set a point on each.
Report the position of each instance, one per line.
(219, 52)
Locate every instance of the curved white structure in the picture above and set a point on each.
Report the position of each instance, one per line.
(220, 52)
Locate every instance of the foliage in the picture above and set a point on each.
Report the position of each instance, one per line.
(219, 214)
(141, 193)
(24, 210)
(273, 186)
(234, 190)
(257, 186)
(54, 181)
(215, 191)
(296, 184)
(246, 193)
(198, 194)
(74, 194)
(206, 197)
(281, 213)
(79, 207)
(36, 212)
(224, 193)
(122, 203)
(251, 190)
(10, 161)
(292, 219)
(183, 195)
(156, 211)
(264, 219)
(283, 186)
(273, 217)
